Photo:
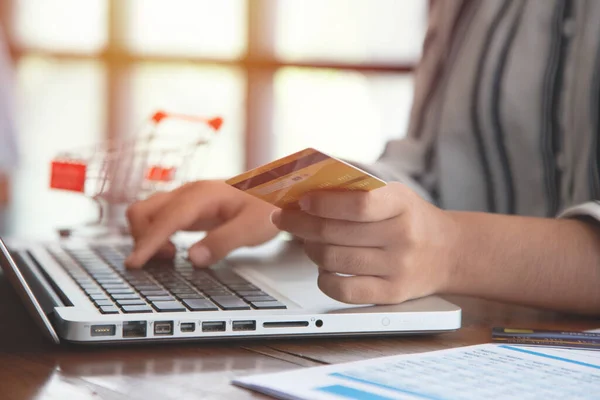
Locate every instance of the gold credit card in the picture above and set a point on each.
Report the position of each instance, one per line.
(284, 181)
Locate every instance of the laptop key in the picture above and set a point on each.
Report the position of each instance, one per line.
(190, 296)
(125, 296)
(248, 286)
(110, 281)
(182, 291)
(244, 293)
(146, 286)
(136, 309)
(210, 288)
(252, 299)
(204, 283)
(178, 286)
(268, 305)
(115, 286)
(200, 305)
(168, 306)
(159, 298)
(137, 278)
(154, 293)
(120, 291)
(167, 284)
(87, 286)
(230, 303)
(217, 292)
(90, 292)
(109, 310)
(85, 281)
(105, 275)
(135, 274)
(138, 302)
(227, 275)
(98, 297)
(101, 303)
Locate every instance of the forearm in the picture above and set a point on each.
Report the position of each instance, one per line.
(545, 263)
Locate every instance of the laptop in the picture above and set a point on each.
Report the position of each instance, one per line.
(80, 292)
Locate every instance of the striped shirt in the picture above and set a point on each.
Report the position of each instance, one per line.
(505, 117)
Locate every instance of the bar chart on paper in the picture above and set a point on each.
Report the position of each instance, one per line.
(474, 372)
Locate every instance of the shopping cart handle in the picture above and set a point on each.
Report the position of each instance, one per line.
(159, 116)
(214, 123)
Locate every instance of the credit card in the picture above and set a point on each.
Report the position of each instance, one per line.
(285, 181)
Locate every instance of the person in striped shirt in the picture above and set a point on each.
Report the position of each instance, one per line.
(494, 192)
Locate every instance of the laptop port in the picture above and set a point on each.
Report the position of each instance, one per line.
(244, 325)
(213, 326)
(103, 330)
(188, 327)
(285, 324)
(163, 328)
(134, 329)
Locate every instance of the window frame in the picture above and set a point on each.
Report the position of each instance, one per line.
(259, 63)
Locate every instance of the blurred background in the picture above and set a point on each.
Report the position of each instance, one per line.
(284, 74)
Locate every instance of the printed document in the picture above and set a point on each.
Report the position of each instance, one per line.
(488, 371)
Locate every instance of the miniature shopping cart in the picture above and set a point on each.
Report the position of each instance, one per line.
(116, 174)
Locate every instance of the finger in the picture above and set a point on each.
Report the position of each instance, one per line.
(348, 260)
(335, 231)
(245, 229)
(139, 214)
(179, 213)
(166, 251)
(359, 206)
(358, 289)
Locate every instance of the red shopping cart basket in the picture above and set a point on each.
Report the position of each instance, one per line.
(118, 173)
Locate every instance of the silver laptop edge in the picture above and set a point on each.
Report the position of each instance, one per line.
(64, 311)
(23, 288)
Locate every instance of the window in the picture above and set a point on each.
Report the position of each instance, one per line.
(207, 28)
(332, 110)
(350, 31)
(284, 74)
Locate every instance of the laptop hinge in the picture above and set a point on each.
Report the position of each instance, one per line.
(33, 289)
(38, 284)
(49, 284)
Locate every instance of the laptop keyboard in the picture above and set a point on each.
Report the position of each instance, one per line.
(160, 286)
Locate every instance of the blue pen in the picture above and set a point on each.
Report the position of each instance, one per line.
(537, 337)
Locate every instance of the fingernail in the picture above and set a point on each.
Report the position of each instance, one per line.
(199, 255)
(275, 217)
(304, 203)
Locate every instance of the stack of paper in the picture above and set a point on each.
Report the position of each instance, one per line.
(486, 371)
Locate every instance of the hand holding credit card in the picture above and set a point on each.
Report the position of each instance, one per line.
(283, 182)
(381, 246)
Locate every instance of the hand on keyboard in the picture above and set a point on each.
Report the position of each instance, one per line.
(159, 286)
(232, 219)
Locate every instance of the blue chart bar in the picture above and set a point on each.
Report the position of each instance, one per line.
(351, 393)
(383, 386)
(535, 353)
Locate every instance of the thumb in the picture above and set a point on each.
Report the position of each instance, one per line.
(244, 230)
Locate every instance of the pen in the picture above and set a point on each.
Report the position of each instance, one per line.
(538, 337)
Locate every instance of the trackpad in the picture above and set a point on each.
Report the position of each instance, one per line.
(289, 274)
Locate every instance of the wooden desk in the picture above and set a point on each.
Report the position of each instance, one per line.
(30, 367)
